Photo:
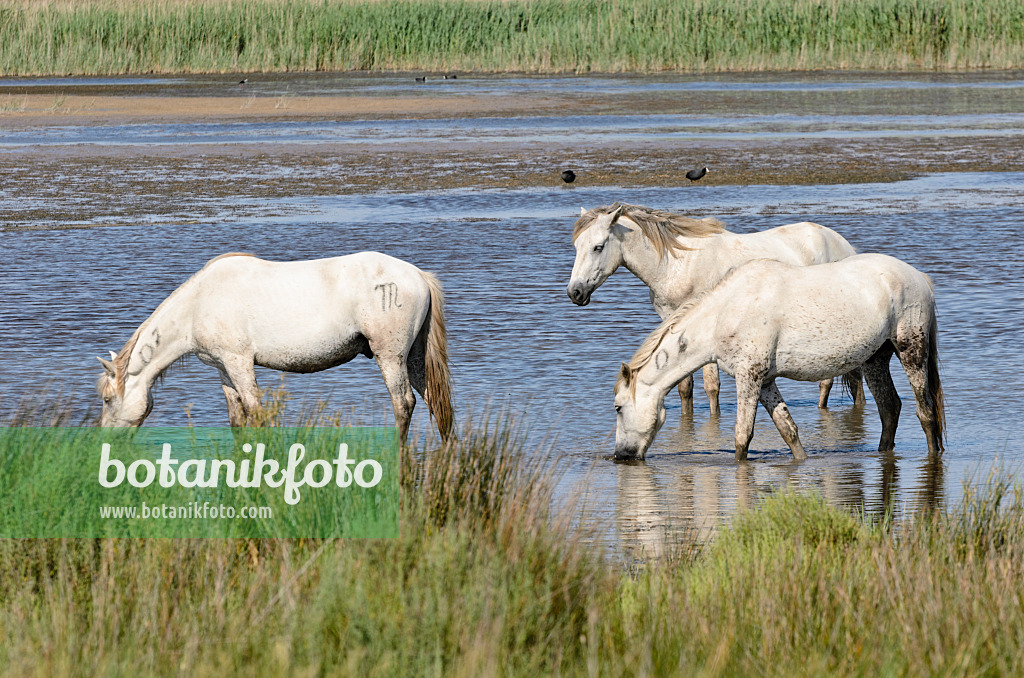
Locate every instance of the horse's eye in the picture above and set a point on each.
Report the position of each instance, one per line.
(618, 408)
(599, 248)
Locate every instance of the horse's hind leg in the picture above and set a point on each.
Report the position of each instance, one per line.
(876, 373)
(776, 406)
(855, 382)
(824, 388)
(712, 384)
(396, 378)
(913, 353)
(686, 393)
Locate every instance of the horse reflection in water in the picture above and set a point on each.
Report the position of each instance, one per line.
(667, 510)
(656, 512)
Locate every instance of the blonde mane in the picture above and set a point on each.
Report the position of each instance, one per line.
(122, 359)
(662, 228)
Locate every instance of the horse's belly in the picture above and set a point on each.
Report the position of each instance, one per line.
(313, 356)
(821, 360)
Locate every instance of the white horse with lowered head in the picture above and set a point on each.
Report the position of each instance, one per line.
(767, 319)
(678, 258)
(300, 316)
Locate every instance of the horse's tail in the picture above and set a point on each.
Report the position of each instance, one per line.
(438, 390)
(934, 382)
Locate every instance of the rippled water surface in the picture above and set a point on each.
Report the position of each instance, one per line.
(518, 342)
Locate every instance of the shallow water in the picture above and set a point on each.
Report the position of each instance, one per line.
(518, 342)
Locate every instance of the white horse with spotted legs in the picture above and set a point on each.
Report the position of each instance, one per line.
(767, 319)
(301, 316)
(678, 258)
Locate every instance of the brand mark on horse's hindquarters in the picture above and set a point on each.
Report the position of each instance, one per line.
(388, 295)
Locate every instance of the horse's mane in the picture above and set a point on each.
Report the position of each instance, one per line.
(122, 359)
(662, 228)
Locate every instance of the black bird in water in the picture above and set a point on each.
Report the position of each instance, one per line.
(243, 81)
(696, 175)
(568, 176)
(451, 77)
(423, 79)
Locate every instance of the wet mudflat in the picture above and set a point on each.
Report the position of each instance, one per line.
(103, 215)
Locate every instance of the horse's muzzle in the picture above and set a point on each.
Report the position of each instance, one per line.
(627, 453)
(579, 295)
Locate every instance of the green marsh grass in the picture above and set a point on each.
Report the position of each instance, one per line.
(488, 579)
(172, 36)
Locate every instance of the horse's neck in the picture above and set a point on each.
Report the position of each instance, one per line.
(164, 338)
(674, 359)
(642, 260)
(677, 276)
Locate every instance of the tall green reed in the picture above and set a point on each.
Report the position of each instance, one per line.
(108, 36)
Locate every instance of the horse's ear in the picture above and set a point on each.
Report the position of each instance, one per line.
(583, 211)
(113, 356)
(625, 373)
(108, 366)
(618, 212)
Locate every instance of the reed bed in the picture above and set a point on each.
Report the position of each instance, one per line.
(546, 36)
(488, 579)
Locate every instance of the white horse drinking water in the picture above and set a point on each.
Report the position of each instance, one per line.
(768, 319)
(301, 316)
(678, 258)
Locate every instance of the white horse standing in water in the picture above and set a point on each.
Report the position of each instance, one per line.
(301, 316)
(678, 258)
(766, 320)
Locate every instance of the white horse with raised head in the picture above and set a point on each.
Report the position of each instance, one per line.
(767, 319)
(678, 258)
(300, 316)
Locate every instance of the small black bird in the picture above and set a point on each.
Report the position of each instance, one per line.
(568, 176)
(696, 175)
(451, 77)
(423, 79)
(243, 81)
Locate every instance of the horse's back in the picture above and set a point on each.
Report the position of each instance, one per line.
(860, 283)
(824, 319)
(360, 277)
(805, 243)
(305, 315)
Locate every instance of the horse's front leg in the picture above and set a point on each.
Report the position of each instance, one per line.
(236, 412)
(686, 393)
(747, 390)
(712, 384)
(776, 406)
(824, 388)
(240, 375)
